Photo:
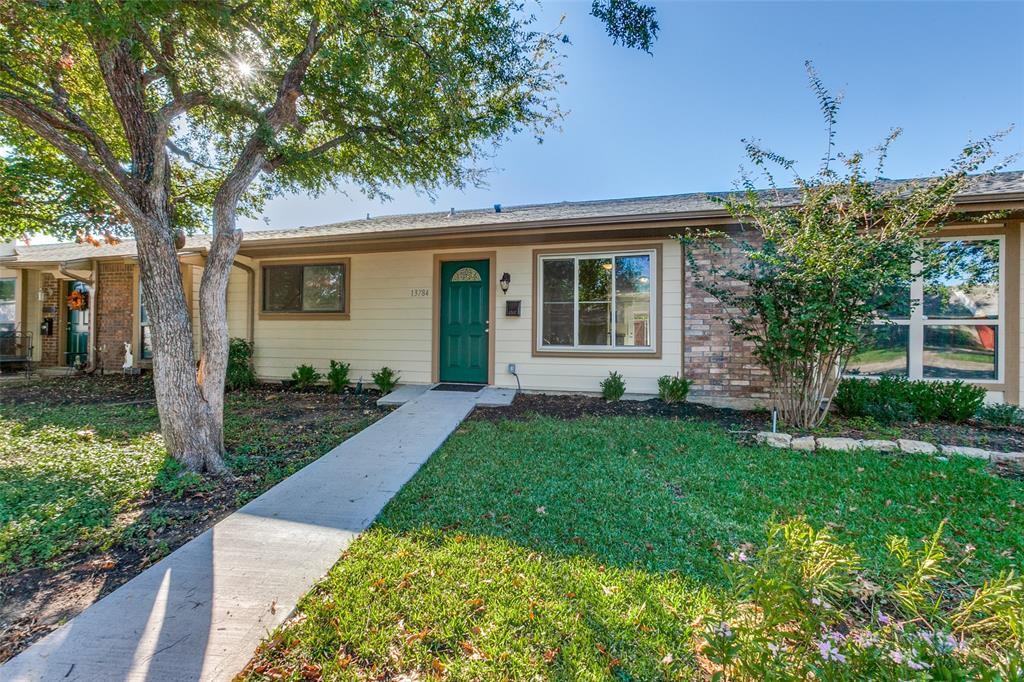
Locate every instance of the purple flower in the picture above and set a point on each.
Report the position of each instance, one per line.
(865, 639)
(896, 656)
(829, 652)
(817, 601)
(917, 665)
(723, 630)
(883, 619)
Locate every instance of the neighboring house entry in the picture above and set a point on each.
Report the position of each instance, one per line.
(464, 321)
(76, 352)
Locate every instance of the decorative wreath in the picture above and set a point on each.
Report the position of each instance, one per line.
(78, 300)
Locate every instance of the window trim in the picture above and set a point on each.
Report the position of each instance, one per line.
(653, 352)
(12, 301)
(1009, 281)
(305, 315)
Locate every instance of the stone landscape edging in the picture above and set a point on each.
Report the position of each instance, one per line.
(905, 445)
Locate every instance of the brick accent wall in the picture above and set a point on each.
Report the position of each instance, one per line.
(114, 314)
(721, 365)
(51, 304)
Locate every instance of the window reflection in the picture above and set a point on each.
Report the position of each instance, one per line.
(884, 352)
(960, 351)
(964, 283)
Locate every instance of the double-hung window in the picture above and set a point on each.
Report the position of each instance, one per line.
(952, 326)
(307, 288)
(597, 301)
(7, 289)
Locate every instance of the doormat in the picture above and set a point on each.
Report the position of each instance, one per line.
(465, 388)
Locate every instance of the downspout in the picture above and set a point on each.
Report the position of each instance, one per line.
(250, 298)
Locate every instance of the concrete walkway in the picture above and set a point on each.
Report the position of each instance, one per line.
(199, 613)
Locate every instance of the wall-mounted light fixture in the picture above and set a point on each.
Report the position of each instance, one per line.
(505, 280)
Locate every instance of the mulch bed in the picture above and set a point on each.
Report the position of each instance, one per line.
(748, 422)
(77, 389)
(35, 601)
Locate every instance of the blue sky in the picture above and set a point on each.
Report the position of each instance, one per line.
(721, 71)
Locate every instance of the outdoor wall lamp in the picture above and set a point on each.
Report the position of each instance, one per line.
(505, 280)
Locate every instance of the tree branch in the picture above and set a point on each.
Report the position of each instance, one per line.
(37, 121)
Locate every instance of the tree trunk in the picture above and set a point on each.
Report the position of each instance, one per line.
(192, 426)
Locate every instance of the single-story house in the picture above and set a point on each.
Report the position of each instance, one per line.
(548, 297)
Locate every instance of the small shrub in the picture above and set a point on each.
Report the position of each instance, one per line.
(337, 376)
(386, 379)
(240, 372)
(613, 387)
(800, 609)
(304, 377)
(895, 399)
(959, 401)
(1001, 414)
(673, 389)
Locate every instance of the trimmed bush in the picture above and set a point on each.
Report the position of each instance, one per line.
(337, 376)
(673, 389)
(1001, 414)
(386, 379)
(304, 377)
(894, 399)
(613, 387)
(240, 372)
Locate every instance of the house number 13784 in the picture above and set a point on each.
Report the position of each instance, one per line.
(419, 293)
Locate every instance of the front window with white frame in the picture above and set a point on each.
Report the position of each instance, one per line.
(597, 301)
(952, 325)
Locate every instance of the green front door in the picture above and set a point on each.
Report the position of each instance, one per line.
(465, 321)
(77, 349)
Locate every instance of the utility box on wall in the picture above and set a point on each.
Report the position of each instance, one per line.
(512, 308)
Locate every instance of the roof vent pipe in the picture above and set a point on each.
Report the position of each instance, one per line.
(367, 216)
(497, 208)
(451, 211)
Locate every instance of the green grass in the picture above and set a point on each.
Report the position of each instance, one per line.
(586, 549)
(74, 478)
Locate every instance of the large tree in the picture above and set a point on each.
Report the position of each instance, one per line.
(151, 118)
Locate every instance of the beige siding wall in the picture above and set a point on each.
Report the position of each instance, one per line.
(514, 341)
(390, 326)
(238, 321)
(34, 314)
(238, 313)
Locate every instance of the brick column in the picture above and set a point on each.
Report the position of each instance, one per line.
(721, 365)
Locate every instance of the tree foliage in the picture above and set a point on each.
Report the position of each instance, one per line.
(405, 92)
(824, 259)
(628, 22)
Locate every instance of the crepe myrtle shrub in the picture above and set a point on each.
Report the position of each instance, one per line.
(824, 260)
(673, 389)
(157, 119)
(305, 377)
(802, 608)
(240, 372)
(385, 379)
(337, 376)
(613, 386)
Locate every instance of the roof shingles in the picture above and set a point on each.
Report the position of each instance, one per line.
(994, 185)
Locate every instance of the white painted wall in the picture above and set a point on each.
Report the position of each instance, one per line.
(389, 326)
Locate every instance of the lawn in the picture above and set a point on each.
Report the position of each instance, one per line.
(586, 549)
(88, 494)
